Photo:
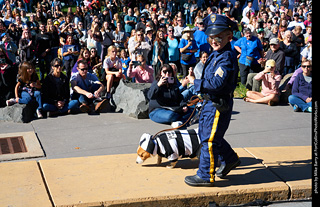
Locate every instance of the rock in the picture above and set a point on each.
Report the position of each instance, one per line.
(19, 113)
(131, 98)
(285, 95)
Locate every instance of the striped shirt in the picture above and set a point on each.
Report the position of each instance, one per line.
(180, 143)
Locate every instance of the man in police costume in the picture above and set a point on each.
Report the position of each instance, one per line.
(217, 84)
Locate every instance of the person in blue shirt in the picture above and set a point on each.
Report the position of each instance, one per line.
(201, 39)
(188, 47)
(130, 22)
(217, 84)
(173, 49)
(251, 50)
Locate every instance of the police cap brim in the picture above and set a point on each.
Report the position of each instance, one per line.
(214, 31)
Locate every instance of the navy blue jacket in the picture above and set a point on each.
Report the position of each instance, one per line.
(220, 73)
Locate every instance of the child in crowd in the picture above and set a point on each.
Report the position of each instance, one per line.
(28, 87)
(113, 69)
(270, 86)
(125, 60)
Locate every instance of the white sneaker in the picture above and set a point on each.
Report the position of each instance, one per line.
(11, 102)
(39, 115)
(176, 124)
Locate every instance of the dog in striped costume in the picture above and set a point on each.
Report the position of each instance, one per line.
(172, 145)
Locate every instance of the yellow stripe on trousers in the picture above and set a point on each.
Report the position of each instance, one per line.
(213, 132)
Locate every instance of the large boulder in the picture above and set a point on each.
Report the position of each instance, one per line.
(19, 113)
(131, 98)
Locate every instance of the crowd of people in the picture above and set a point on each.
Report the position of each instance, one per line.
(160, 42)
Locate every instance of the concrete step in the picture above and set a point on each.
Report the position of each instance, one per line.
(268, 173)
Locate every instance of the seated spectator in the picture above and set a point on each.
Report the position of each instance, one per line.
(56, 91)
(301, 98)
(199, 67)
(84, 55)
(112, 69)
(87, 88)
(70, 53)
(125, 60)
(28, 87)
(142, 72)
(166, 104)
(270, 86)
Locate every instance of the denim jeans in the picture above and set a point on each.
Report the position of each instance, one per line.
(73, 104)
(166, 116)
(295, 100)
(26, 98)
(83, 99)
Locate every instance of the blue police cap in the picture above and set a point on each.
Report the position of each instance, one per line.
(216, 24)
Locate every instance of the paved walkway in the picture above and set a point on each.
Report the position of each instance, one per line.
(90, 161)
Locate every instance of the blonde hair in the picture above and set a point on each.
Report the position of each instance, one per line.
(110, 48)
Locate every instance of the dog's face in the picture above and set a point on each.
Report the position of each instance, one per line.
(142, 153)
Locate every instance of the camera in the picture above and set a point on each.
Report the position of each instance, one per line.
(170, 79)
(136, 63)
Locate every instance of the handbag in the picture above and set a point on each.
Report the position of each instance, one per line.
(185, 57)
(249, 61)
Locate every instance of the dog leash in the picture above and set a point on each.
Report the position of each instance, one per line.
(195, 99)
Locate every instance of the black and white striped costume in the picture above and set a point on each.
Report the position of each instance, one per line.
(173, 144)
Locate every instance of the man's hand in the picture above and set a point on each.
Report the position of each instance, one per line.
(89, 95)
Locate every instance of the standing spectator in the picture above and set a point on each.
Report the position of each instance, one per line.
(70, 53)
(248, 8)
(8, 78)
(129, 21)
(138, 46)
(120, 37)
(26, 47)
(270, 86)
(291, 53)
(200, 65)
(179, 28)
(235, 11)
(306, 53)
(251, 50)
(56, 91)
(9, 46)
(301, 98)
(201, 39)
(173, 48)
(160, 54)
(187, 12)
(107, 39)
(142, 72)
(43, 50)
(188, 47)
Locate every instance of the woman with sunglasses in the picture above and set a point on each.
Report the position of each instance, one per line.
(166, 104)
(56, 91)
(301, 98)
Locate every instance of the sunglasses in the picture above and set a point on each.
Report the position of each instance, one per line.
(56, 66)
(306, 66)
(167, 71)
(83, 69)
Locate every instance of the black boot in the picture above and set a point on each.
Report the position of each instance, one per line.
(224, 169)
(195, 180)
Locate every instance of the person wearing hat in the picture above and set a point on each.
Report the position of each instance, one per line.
(270, 86)
(216, 86)
(188, 47)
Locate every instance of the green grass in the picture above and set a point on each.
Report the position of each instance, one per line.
(240, 91)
